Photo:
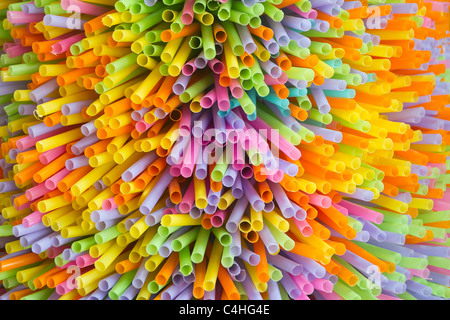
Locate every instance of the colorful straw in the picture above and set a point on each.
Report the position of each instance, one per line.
(224, 150)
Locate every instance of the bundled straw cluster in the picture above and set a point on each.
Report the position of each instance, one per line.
(225, 149)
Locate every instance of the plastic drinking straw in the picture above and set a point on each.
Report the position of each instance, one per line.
(307, 73)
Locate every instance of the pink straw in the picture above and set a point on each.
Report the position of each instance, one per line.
(64, 45)
(32, 219)
(36, 192)
(188, 199)
(223, 101)
(187, 16)
(109, 204)
(50, 155)
(52, 182)
(85, 260)
(218, 218)
(83, 7)
(52, 252)
(320, 200)
(360, 211)
(304, 227)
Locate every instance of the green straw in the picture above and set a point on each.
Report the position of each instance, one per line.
(360, 125)
(241, 290)
(256, 73)
(396, 276)
(356, 152)
(123, 5)
(324, 118)
(219, 171)
(227, 259)
(239, 17)
(413, 263)
(304, 5)
(304, 103)
(381, 253)
(300, 73)
(261, 88)
(172, 2)
(77, 48)
(439, 262)
(165, 231)
(350, 79)
(153, 50)
(122, 284)
(233, 38)
(306, 134)
(83, 244)
(436, 216)
(156, 243)
(394, 227)
(24, 69)
(273, 12)
(331, 33)
(247, 85)
(224, 11)
(213, 5)
(10, 282)
(153, 36)
(198, 252)
(55, 8)
(417, 231)
(106, 235)
(247, 104)
(437, 289)
(222, 235)
(39, 295)
(139, 8)
(121, 63)
(344, 291)
(355, 224)
(364, 294)
(176, 24)
(275, 123)
(294, 49)
(406, 296)
(320, 47)
(12, 109)
(283, 293)
(6, 61)
(30, 57)
(153, 287)
(389, 216)
(275, 273)
(344, 69)
(184, 240)
(209, 48)
(59, 261)
(151, 20)
(254, 156)
(186, 267)
(244, 71)
(164, 69)
(363, 282)
(439, 233)
(254, 22)
(195, 42)
(17, 6)
(199, 6)
(196, 88)
(282, 238)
